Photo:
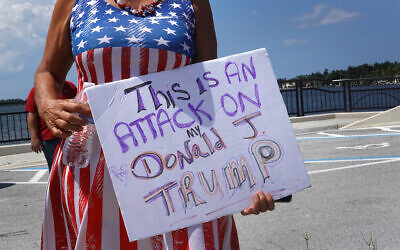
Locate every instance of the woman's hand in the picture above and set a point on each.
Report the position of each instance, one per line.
(262, 202)
(61, 116)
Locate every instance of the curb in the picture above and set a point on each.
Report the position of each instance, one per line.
(15, 149)
(330, 116)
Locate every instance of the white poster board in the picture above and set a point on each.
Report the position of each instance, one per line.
(190, 145)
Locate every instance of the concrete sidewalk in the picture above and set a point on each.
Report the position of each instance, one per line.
(332, 121)
(20, 155)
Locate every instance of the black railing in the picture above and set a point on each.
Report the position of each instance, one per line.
(300, 96)
(320, 96)
(13, 127)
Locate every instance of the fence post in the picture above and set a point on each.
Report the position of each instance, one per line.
(345, 96)
(299, 98)
(349, 89)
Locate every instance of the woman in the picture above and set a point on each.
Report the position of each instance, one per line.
(110, 41)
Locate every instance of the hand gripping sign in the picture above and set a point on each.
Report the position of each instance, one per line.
(192, 144)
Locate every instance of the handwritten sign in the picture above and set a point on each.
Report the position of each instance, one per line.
(190, 145)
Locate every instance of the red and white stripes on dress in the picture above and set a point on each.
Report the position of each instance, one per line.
(81, 210)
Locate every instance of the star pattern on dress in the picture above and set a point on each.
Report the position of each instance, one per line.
(173, 23)
(104, 39)
(154, 21)
(97, 29)
(94, 20)
(133, 39)
(81, 14)
(113, 20)
(81, 45)
(78, 34)
(120, 28)
(109, 12)
(94, 11)
(161, 41)
(175, 5)
(97, 24)
(92, 2)
(133, 20)
(185, 47)
(188, 36)
(145, 29)
(169, 31)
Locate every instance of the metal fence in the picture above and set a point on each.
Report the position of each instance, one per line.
(346, 95)
(14, 127)
(300, 96)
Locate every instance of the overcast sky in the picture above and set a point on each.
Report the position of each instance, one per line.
(302, 36)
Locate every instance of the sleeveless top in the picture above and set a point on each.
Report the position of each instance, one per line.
(109, 44)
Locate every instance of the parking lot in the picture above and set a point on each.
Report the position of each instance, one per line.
(353, 200)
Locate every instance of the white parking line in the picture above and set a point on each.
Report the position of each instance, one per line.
(367, 146)
(387, 129)
(37, 176)
(352, 166)
(19, 182)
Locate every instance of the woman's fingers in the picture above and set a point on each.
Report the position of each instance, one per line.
(270, 201)
(61, 116)
(60, 133)
(64, 125)
(256, 203)
(75, 107)
(262, 202)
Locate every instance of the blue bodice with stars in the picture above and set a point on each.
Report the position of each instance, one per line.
(98, 24)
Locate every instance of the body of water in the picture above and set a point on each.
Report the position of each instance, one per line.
(7, 108)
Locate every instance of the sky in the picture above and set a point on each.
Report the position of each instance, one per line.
(301, 36)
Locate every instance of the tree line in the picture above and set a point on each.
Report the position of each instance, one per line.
(12, 101)
(384, 69)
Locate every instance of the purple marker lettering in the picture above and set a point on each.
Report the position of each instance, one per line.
(212, 79)
(163, 192)
(250, 69)
(150, 123)
(188, 158)
(161, 123)
(197, 111)
(224, 106)
(200, 85)
(140, 101)
(121, 139)
(156, 101)
(178, 124)
(151, 167)
(139, 128)
(235, 71)
(242, 96)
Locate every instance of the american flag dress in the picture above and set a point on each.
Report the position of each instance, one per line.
(109, 44)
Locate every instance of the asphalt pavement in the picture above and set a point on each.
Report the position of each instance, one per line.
(352, 204)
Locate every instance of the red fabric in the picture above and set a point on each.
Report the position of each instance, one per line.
(68, 92)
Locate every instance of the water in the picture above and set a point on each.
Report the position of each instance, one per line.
(10, 108)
